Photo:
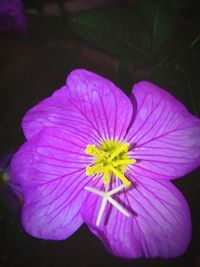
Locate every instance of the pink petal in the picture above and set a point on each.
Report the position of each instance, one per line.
(165, 136)
(159, 223)
(89, 103)
(56, 111)
(50, 168)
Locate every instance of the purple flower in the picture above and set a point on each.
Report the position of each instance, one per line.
(12, 16)
(94, 155)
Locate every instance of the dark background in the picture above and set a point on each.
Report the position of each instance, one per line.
(125, 41)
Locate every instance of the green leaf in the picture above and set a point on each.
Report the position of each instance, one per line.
(124, 76)
(11, 226)
(34, 4)
(181, 4)
(182, 80)
(117, 30)
(160, 19)
(195, 41)
(190, 68)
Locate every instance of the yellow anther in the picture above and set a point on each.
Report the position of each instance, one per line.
(106, 178)
(94, 151)
(123, 148)
(120, 176)
(123, 162)
(96, 169)
(111, 158)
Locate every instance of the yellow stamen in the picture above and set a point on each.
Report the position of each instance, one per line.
(94, 151)
(96, 169)
(106, 178)
(120, 149)
(111, 158)
(124, 162)
(120, 176)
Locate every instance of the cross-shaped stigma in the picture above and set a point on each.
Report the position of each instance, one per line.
(107, 196)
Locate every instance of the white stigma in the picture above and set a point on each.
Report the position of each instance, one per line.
(107, 196)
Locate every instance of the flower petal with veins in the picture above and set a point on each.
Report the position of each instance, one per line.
(50, 168)
(159, 222)
(89, 129)
(87, 103)
(165, 135)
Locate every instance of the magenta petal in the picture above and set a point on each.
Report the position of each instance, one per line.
(50, 168)
(159, 223)
(52, 211)
(56, 111)
(107, 108)
(88, 103)
(164, 135)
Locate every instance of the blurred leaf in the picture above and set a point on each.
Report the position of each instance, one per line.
(182, 78)
(11, 222)
(190, 67)
(195, 26)
(117, 30)
(10, 81)
(34, 4)
(171, 79)
(195, 41)
(188, 48)
(184, 41)
(125, 79)
(11, 233)
(180, 4)
(160, 19)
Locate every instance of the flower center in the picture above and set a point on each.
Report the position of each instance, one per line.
(111, 159)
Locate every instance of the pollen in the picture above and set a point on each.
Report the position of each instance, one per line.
(110, 160)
